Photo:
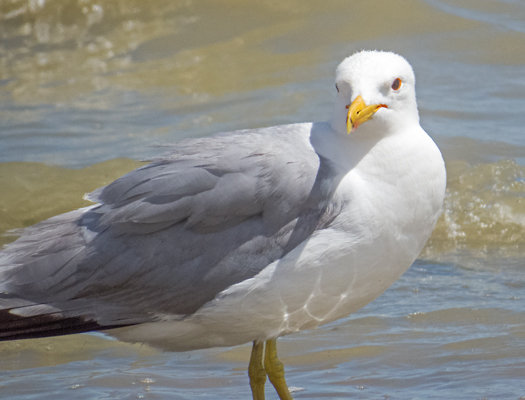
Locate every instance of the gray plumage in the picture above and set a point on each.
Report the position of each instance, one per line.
(166, 238)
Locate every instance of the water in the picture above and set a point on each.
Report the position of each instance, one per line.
(86, 86)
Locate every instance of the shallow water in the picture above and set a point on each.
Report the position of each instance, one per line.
(87, 86)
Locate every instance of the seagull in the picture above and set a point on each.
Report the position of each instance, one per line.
(243, 236)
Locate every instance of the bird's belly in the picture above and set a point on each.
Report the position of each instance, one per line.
(325, 278)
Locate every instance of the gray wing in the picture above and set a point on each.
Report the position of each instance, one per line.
(168, 237)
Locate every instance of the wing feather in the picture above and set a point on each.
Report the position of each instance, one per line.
(168, 237)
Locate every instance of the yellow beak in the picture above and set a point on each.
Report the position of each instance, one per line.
(359, 112)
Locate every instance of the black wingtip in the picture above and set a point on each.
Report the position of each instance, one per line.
(13, 327)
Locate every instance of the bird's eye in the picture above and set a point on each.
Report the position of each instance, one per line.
(337, 88)
(396, 84)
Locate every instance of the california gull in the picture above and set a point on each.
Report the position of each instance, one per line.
(244, 236)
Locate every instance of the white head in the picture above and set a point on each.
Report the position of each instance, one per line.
(376, 94)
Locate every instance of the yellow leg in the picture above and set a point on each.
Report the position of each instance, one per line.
(275, 370)
(256, 371)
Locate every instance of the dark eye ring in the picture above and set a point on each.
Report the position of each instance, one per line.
(396, 84)
(337, 88)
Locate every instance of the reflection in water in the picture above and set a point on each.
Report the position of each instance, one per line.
(215, 47)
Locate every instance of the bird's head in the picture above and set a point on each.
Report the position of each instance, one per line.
(375, 94)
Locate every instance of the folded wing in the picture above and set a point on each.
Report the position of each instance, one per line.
(168, 237)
